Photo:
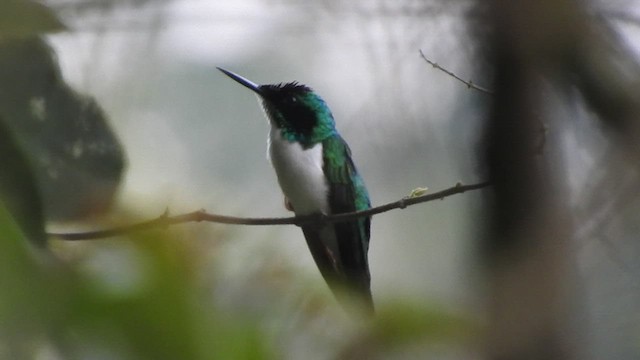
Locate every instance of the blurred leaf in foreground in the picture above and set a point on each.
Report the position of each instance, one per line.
(162, 315)
(402, 325)
(77, 159)
(32, 287)
(18, 189)
(22, 18)
(143, 302)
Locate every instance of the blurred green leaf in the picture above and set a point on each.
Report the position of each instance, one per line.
(18, 188)
(32, 291)
(405, 322)
(401, 325)
(164, 317)
(22, 18)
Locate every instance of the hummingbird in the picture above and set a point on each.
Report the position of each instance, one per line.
(317, 175)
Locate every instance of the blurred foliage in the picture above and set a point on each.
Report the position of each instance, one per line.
(77, 160)
(401, 325)
(74, 314)
(149, 303)
(18, 188)
(22, 18)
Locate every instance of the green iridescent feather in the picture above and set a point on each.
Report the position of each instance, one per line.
(347, 190)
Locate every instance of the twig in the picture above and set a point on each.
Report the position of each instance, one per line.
(469, 83)
(201, 215)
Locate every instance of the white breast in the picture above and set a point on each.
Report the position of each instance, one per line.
(299, 174)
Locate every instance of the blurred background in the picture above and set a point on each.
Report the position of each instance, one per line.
(122, 112)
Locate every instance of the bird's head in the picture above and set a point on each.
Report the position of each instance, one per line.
(294, 109)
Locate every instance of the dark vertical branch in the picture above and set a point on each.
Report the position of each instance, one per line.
(526, 244)
(518, 176)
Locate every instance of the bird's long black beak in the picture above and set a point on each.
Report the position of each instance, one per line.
(246, 82)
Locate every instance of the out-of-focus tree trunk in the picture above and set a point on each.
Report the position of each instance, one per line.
(535, 44)
(527, 244)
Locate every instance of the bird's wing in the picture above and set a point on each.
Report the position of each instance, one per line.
(347, 193)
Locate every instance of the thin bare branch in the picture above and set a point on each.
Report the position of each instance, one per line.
(469, 83)
(201, 215)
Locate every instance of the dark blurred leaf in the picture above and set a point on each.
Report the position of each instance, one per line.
(78, 162)
(22, 18)
(18, 189)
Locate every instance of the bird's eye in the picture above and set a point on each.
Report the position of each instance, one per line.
(293, 99)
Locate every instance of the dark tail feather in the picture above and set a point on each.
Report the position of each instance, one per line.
(346, 283)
